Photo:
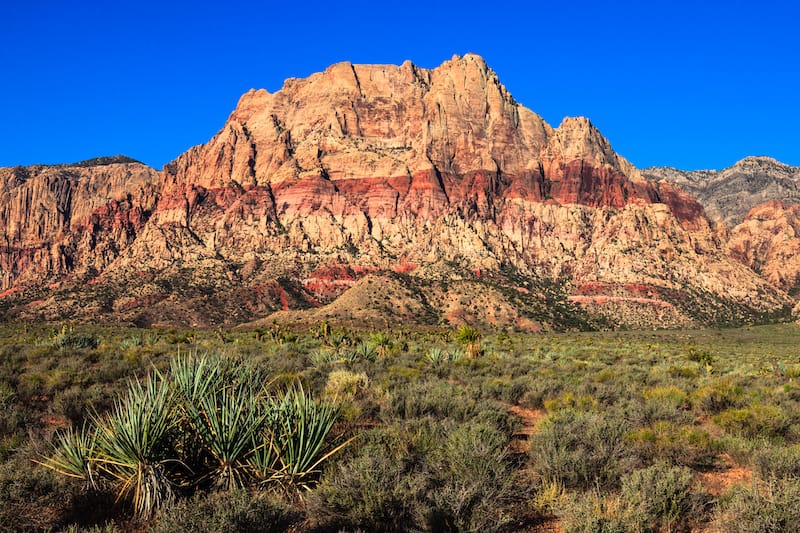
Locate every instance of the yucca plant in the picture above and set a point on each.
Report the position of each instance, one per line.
(437, 355)
(194, 376)
(295, 440)
(72, 456)
(223, 411)
(227, 422)
(134, 444)
(470, 338)
(322, 357)
(364, 351)
(455, 355)
(382, 343)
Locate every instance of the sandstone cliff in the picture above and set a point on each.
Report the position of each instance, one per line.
(438, 177)
(768, 241)
(60, 220)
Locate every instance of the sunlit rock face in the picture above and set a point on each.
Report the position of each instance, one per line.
(434, 175)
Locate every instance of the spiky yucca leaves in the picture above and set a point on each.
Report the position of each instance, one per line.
(72, 456)
(295, 440)
(227, 422)
(134, 444)
(470, 338)
(223, 405)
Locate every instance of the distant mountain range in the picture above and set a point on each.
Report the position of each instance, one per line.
(380, 194)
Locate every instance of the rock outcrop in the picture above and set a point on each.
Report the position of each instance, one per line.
(419, 179)
(63, 220)
(728, 195)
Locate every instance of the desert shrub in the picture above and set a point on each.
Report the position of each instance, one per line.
(32, 498)
(665, 403)
(475, 481)
(231, 512)
(568, 400)
(379, 487)
(593, 513)
(758, 420)
(540, 390)
(581, 450)
(777, 462)
(659, 496)
(717, 397)
(434, 398)
(75, 402)
(444, 401)
(345, 385)
(677, 444)
(774, 507)
(509, 390)
(426, 475)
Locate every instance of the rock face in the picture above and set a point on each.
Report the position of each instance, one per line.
(420, 180)
(730, 194)
(67, 220)
(768, 241)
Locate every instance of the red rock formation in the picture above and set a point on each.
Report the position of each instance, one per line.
(67, 218)
(380, 167)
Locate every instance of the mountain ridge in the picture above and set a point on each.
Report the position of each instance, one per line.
(433, 175)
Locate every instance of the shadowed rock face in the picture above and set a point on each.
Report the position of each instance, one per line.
(437, 175)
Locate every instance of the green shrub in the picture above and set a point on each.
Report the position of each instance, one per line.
(428, 475)
(475, 481)
(581, 450)
(593, 513)
(717, 397)
(379, 488)
(676, 444)
(759, 420)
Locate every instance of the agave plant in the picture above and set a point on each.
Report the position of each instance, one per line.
(133, 444)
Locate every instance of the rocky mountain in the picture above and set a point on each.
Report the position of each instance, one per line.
(377, 193)
(728, 195)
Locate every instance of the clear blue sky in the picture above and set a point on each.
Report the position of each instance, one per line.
(686, 84)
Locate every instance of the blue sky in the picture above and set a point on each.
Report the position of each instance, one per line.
(684, 84)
